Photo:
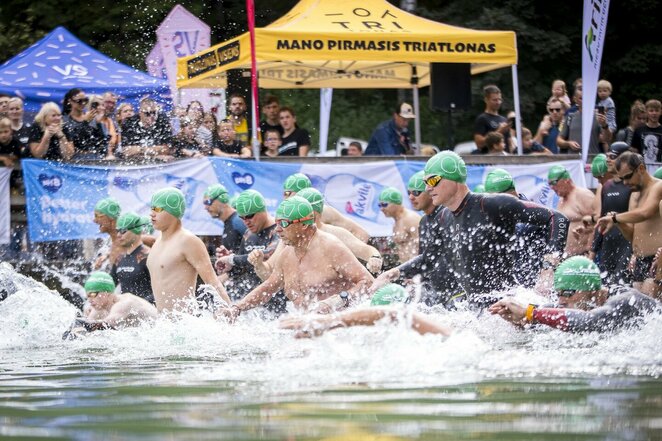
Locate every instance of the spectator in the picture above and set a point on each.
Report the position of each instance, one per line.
(143, 136)
(270, 109)
(560, 93)
(49, 138)
(570, 137)
(647, 139)
(185, 144)
(237, 108)
(495, 144)
(296, 141)
(428, 151)
(530, 146)
(209, 121)
(106, 124)
(354, 149)
(490, 120)
(548, 130)
(4, 101)
(606, 105)
(637, 119)
(10, 146)
(195, 113)
(84, 130)
(110, 103)
(124, 112)
(21, 129)
(391, 137)
(272, 142)
(226, 143)
(576, 87)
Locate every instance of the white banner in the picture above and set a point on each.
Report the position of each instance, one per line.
(326, 97)
(5, 205)
(594, 29)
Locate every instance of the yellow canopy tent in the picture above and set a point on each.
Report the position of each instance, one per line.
(349, 44)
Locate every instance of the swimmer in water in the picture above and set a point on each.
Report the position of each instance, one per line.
(330, 215)
(177, 257)
(109, 310)
(316, 271)
(405, 228)
(585, 305)
(384, 308)
(106, 212)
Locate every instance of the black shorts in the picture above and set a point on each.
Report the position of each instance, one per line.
(642, 267)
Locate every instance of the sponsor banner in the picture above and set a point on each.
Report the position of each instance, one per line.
(61, 198)
(594, 29)
(5, 205)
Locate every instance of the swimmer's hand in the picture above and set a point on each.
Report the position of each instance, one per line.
(374, 264)
(228, 314)
(309, 327)
(509, 310)
(604, 224)
(224, 264)
(384, 279)
(100, 260)
(256, 258)
(76, 330)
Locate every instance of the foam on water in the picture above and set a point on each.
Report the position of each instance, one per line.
(258, 353)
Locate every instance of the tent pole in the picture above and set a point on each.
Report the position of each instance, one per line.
(417, 110)
(326, 97)
(250, 11)
(518, 118)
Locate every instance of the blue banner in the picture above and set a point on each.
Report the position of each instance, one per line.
(60, 198)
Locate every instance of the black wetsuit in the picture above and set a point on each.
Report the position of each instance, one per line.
(438, 284)
(612, 250)
(131, 273)
(618, 312)
(233, 231)
(532, 246)
(479, 244)
(243, 278)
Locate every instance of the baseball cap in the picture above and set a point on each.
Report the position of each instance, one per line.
(406, 111)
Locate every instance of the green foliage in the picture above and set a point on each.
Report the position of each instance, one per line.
(548, 36)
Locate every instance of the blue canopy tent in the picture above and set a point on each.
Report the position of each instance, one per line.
(60, 61)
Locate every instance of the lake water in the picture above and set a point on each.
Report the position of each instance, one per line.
(198, 379)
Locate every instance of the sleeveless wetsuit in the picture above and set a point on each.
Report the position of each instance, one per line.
(618, 312)
(612, 250)
(478, 241)
(132, 275)
(243, 278)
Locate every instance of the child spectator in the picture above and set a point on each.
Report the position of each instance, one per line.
(560, 92)
(495, 144)
(185, 143)
(606, 105)
(637, 119)
(530, 146)
(647, 139)
(272, 142)
(226, 143)
(10, 146)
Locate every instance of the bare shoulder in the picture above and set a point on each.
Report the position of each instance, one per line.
(330, 213)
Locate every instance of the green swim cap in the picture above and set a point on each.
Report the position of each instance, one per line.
(295, 208)
(658, 173)
(313, 196)
(599, 165)
(171, 200)
(558, 172)
(99, 282)
(480, 188)
(108, 206)
(148, 228)
(391, 195)
(130, 221)
(577, 274)
(499, 181)
(448, 165)
(388, 294)
(416, 182)
(217, 191)
(296, 182)
(250, 202)
(233, 201)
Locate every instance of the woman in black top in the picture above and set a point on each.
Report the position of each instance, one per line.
(49, 139)
(86, 132)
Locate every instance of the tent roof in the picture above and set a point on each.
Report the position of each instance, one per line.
(60, 61)
(342, 43)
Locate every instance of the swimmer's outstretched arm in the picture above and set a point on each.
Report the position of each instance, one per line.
(258, 296)
(196, 254)
(317, 325)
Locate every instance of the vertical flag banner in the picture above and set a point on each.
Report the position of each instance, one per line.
(5, 205)
(182, 34)
(326, 98)
(594, 29)
(155, 63)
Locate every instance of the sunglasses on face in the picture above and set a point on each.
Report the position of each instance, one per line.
(248, 216)
(415, 193)
(91, 295)
(553, 183)
(567, 293)
(288, 193)
(81, 101)
(157, 209)
(208, 202)
(383, 204)
(612, 155)
(284, 223)
(554, 109)
(628, 176)
(433, 181)
(152, 113)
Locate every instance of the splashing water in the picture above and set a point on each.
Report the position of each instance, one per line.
(202, 374)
